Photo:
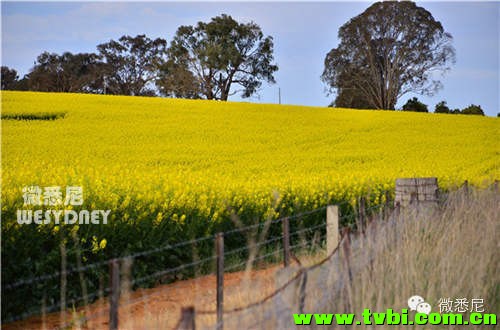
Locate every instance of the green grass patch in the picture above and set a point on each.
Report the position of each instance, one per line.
(34, 116)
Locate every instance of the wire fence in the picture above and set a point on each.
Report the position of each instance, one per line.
(101, 288)
(300, 243)
(259, 242)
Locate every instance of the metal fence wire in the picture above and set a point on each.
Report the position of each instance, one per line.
(263, 242)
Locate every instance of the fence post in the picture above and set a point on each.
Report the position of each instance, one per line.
(302, 293)
(332, 228)
(362, 214)
(417, 193)
(114, 296)
(187, 321)
(286, 242)
(219, 241)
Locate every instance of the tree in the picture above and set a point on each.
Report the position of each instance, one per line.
(348, 96)
(473, 110)
(392, 48)
(441, 107)
(208, 59)
(9, 78)
(74, 73)
(132, 64)
(414, 104)
(351, 98)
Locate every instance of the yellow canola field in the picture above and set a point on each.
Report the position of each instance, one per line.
(163, 158)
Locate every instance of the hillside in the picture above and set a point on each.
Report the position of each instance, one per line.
(146, 147)
(171, 170)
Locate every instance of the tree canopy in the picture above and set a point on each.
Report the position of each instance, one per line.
(442, 107)
(392, 48)
(9, 78)
(414, 104)
(473, 110)
(209, 59)
(131, 64)
(74, 73)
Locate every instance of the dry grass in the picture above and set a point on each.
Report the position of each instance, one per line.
(451, 253)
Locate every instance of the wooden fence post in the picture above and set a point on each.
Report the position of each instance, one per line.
(187, 321)
(302, 292)
(219, 242)
(286, 242)
(332, 228)
(114, 296)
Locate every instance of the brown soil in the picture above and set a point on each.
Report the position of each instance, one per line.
(160, 307)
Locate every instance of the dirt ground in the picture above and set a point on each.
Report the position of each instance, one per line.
(159, 307)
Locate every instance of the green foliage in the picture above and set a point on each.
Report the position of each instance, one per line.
(9, 78)
(441, 107)
(208, 59)
(470, 110)
(386, 52)
(73, 73)
(473, 110)
(414, 104)
(34, 116)
(131, 64)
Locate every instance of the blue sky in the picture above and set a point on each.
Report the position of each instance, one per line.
(303, 33)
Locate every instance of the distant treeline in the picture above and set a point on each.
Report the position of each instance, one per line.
(387, 51)
(414, 104)
(209, 60)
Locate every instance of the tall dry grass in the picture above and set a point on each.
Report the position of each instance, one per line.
(451, 252)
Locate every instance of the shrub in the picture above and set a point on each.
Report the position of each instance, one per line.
(414, 104)
(473, 110)
(441, 107)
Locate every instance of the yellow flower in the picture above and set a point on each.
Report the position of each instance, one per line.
(103, 243)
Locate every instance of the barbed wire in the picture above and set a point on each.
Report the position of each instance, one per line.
(172, 270)
(101, 263)
(57, 306)
(299, 273)
(147, 297)
(31, 280)
(53, 275)
(195, 263)
(303, 271)
(308, 229)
